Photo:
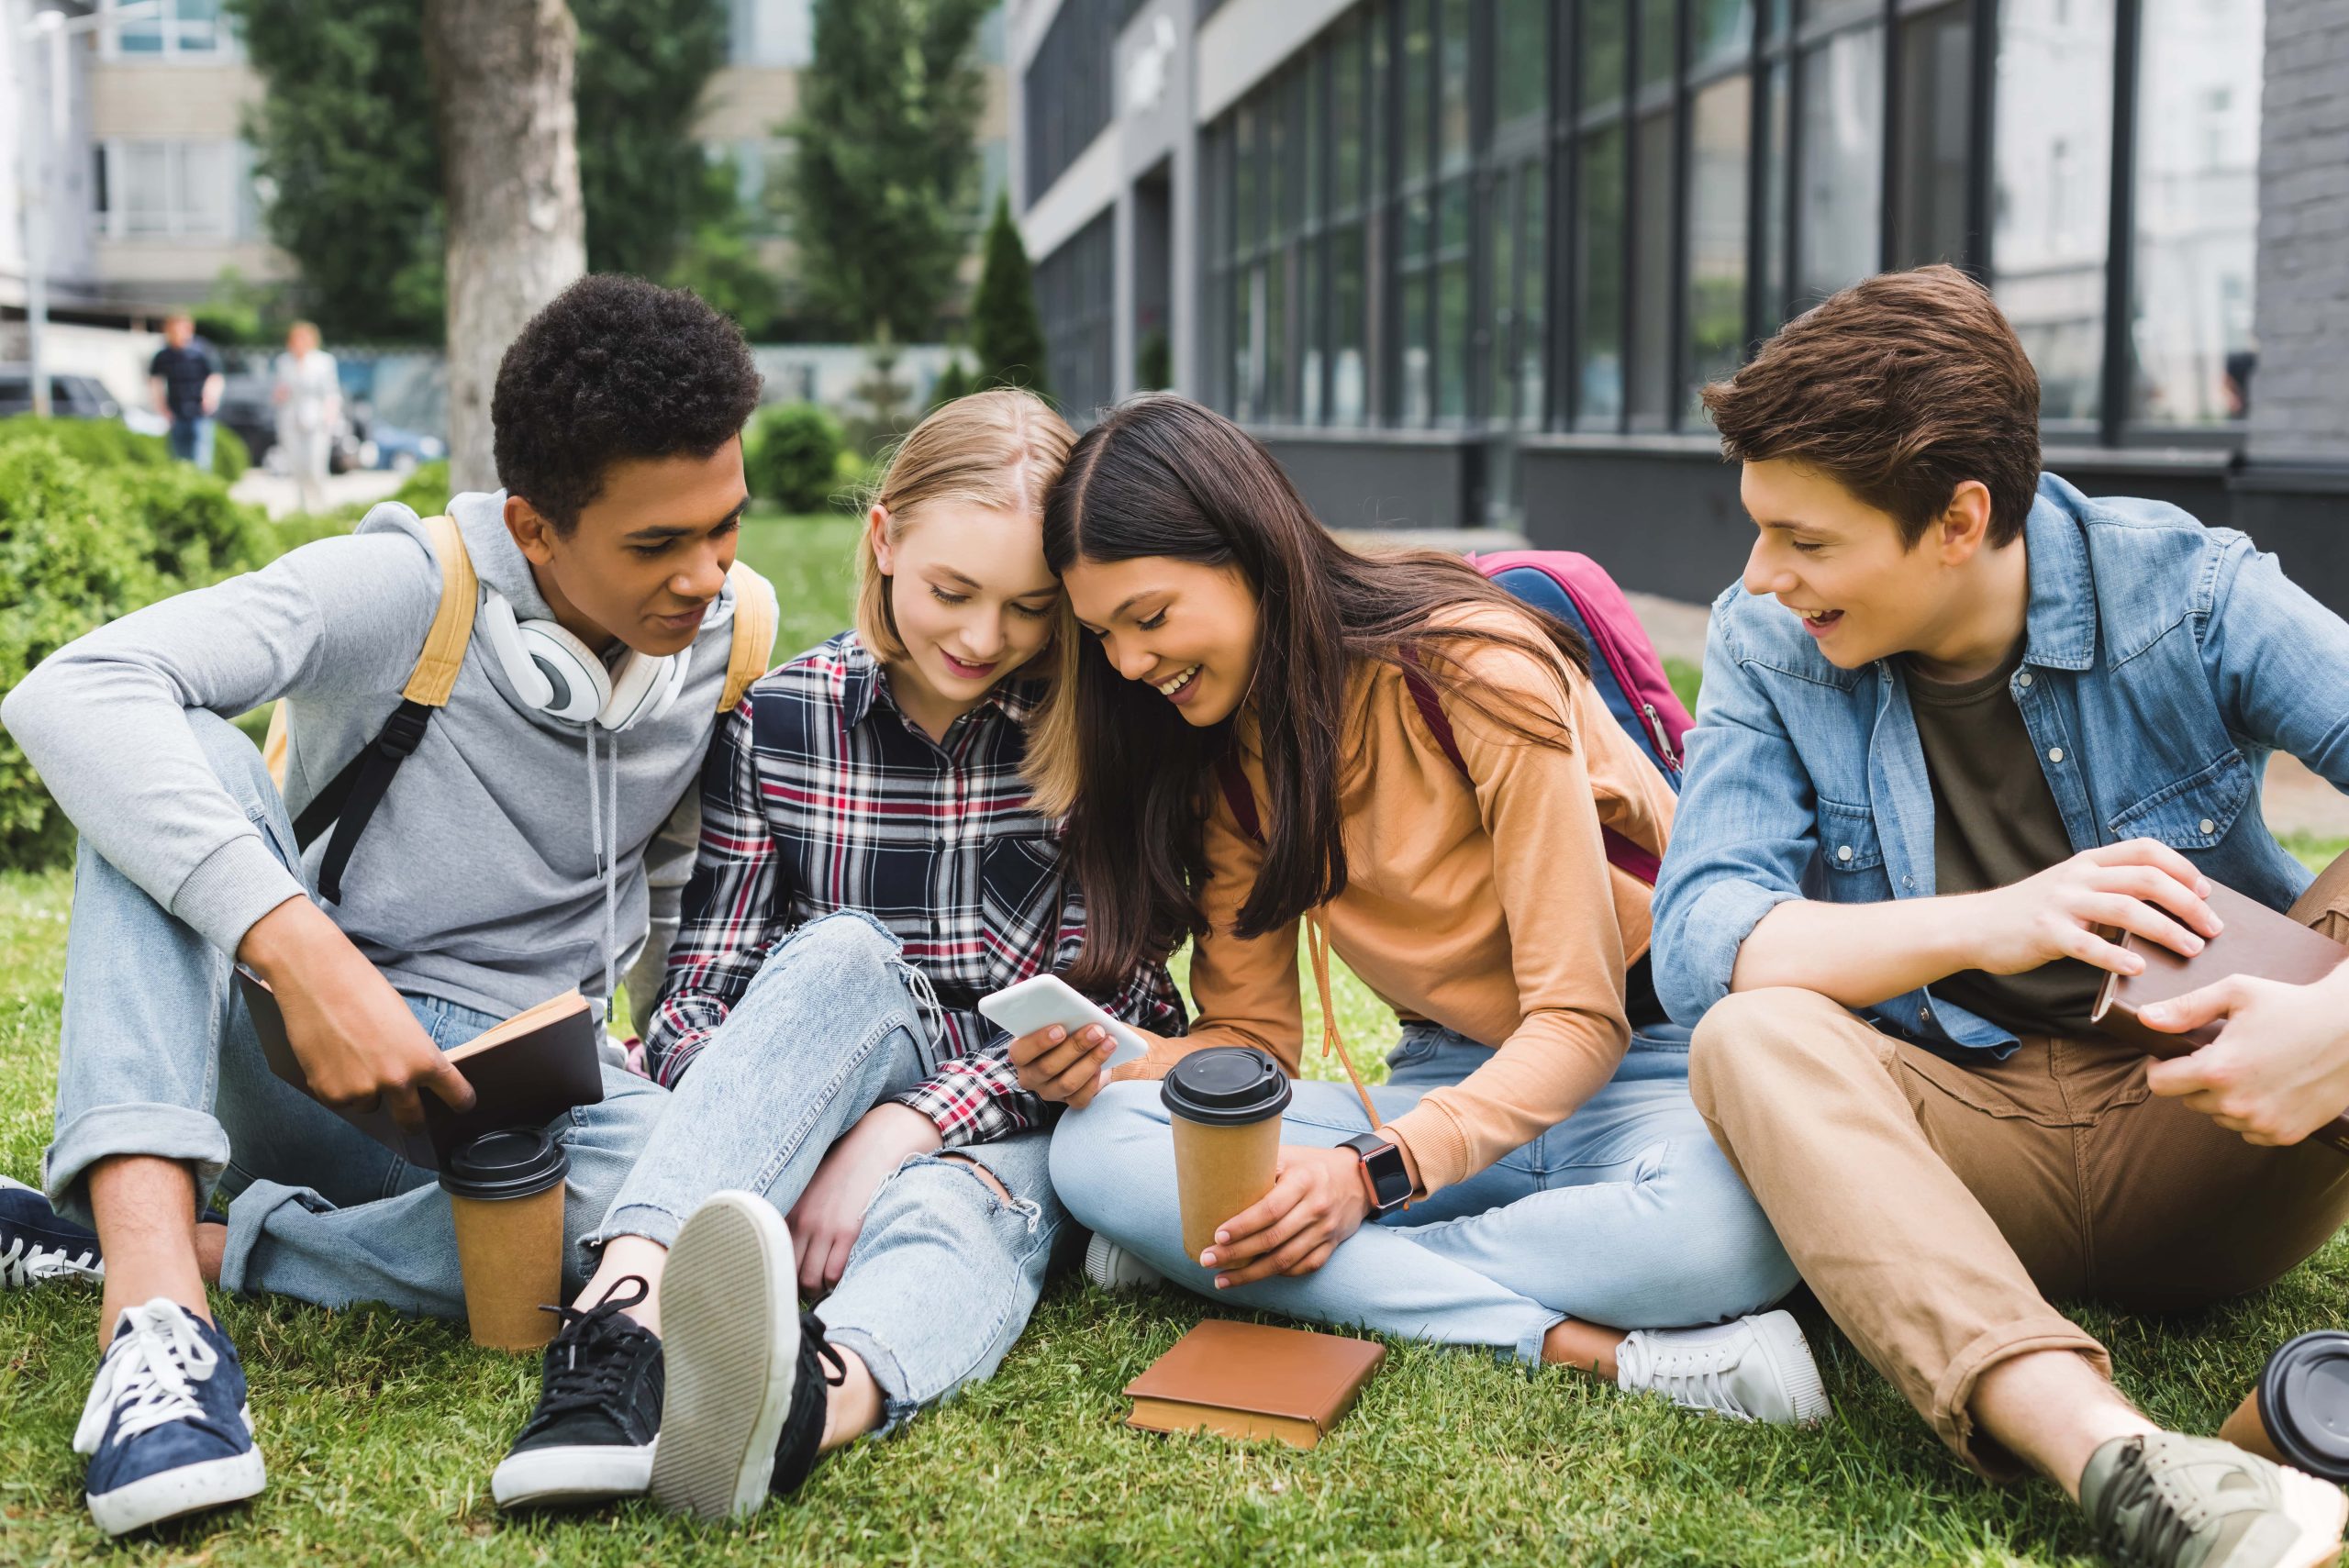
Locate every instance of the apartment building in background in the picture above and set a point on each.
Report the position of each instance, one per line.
(152, 194)
(1461, 262)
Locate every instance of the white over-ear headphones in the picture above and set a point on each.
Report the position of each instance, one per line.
(554, 671)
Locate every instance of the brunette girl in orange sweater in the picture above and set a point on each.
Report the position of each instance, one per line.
(1566, 1203)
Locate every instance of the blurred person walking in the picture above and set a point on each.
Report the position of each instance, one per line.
(310, 406)
(185, 378)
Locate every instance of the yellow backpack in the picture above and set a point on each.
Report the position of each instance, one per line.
(351, 796)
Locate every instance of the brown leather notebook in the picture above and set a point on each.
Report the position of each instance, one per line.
(525, 1072)
(2256, 941)
(1249, 1380)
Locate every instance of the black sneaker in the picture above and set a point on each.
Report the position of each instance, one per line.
(592, 1437)
(37, 1247)
(746, 1395)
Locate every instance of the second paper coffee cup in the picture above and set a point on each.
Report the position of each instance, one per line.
(1224, 1105)
(505, 1193)
(2300, 1413)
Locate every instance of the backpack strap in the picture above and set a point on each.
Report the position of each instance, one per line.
(1621, 852)
(756, 615)
(350, 799)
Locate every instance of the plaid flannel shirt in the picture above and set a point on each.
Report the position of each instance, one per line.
(820, 795)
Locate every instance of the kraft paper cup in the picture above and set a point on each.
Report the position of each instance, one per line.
(505, 1194)
(1224, 1105)
(2300, 1413)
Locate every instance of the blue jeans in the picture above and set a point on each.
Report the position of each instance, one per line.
(1625, 1214)
(158, 1056)
(191, 441)
(945, 1273)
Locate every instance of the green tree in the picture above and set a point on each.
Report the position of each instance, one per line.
(953, 381)
(881, 180)
(1005, 331)
(720, 260)
(344, 137)
(643, 68)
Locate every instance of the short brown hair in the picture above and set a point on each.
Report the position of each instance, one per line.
(1900, 388)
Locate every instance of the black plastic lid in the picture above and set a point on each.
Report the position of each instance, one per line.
(2304, 1403)
(505, 1164)
(1226, 1085)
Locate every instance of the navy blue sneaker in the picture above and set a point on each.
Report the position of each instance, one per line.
(166, 1428)
(35, 1246)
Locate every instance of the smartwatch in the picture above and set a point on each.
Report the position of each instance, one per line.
(1390, 1179)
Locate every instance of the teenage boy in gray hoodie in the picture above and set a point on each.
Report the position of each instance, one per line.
(503, 866)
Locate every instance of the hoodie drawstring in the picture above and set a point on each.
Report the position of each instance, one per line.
(604, 831)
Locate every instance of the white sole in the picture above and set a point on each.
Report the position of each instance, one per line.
(573, 1476)
(2320, 1509)
(730, 1336)
(190, 1489)
(1779, 1339)
(1112, 1268)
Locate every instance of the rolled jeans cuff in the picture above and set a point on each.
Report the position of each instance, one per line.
(1953, 1395)
(897, 1405)
(193, 1137)
(1528, 1350)
(654, 1224)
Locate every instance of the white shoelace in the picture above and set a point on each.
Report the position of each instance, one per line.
(27, 1262)
(150, 1372)
(1692, 1376)
(603, 828)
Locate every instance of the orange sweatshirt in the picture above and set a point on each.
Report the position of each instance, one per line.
(1485, 904)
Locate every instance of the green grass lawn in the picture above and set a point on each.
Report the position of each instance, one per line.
(380, 1433)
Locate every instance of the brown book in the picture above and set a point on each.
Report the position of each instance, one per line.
(525, 1072)
(2256, 941)
(1249, 1380)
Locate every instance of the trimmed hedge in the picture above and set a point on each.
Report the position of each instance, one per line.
(792, 456)
(88, 534)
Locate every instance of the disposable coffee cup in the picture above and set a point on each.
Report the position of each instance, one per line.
(1224, 1105)
(2300, 1413)
(505, 1193)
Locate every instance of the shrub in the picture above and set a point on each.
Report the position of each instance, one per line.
(792, 456)
(103, 443)
(192, 533)
(68, 562)
(425, 492)
(230, 456)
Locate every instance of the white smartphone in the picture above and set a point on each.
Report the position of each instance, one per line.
(1043, 1000)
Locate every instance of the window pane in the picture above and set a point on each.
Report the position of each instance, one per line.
(206, 201)
(1452, 302)
(1843, 141)
(1599, 277)
(1521, 60)
(1936, 123)
(146, 193)
(1244, 179)
(1651, 270)
(1418, 398)
(1533, 293)
(1724, 30)
(1345, 93)
(1419, 48)
(1503, 235)
(1380, 107)
(1719, 118)
(1280, 179)
(1348, 302)
(1452, 126)
(1604, 24)
(1773, 197)
(199, 25)
(2053, 165)
(1280, 394)
(1659, 41)
(1308, 331)
(2197, 211)
(1316, 140)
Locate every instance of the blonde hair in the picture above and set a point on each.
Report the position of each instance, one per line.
(1000, 448)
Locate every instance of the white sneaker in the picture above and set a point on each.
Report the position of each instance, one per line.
(1110, 1267)
(1755, 1369)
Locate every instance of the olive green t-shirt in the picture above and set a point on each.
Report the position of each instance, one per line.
(1995, 823)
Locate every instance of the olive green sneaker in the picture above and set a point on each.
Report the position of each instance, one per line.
(2170, 1501)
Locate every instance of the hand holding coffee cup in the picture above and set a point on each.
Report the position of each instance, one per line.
(1224, 1105)
(1317, 1200)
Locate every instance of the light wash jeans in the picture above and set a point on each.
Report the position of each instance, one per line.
(191, 441)
(1625, 1214)
(943, 1273)
(158, 1056)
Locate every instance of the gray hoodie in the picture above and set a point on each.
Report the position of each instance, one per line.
(487, 875)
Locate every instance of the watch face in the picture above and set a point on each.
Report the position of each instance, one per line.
(1389, 1176)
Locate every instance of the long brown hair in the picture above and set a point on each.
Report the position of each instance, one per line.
(1163, 476)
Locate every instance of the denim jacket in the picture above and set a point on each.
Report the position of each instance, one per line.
(2162, 662)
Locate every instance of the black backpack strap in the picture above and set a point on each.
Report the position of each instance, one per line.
(351, 796)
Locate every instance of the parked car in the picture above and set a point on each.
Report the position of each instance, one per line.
(404, 451)
(70, 396)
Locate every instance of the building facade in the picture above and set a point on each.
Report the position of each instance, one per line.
(1465, 262)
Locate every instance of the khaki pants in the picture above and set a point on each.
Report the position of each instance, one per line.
(1935, 1209)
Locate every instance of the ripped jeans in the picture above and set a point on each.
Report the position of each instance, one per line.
(943, 1273)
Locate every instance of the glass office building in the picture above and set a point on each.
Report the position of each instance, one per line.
(1469, 261)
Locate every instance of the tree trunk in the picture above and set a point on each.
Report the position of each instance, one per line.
(510, 154)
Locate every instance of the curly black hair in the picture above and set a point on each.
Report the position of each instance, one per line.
(612, 369)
